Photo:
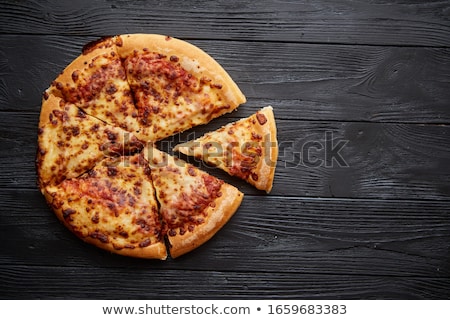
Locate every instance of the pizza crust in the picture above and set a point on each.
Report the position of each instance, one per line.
(266, 171)
(103, 46)
(156, 250)
(217, 217)
(265, 167)
(192, 59)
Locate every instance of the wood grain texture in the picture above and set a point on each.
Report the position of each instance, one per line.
(29, 282)
(307, 236)
(317, 159)
(387, 22)
(361, 198)
(302, 81)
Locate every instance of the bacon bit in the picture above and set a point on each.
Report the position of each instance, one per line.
(75, 131)
(45, 95)
(137, 190)
(254, 176)
(172, 233)
(59, 85)
(111, 89)
(67, 212)
(256, 136)
(261, 118)
(100, 236)
(111, 135)
(145, 243)
(95, 127)
(168, 38)
(75, 75)
(61, 115)
(217, 86)
(174, 58)
(95, 219)
(123, 234)
(112, 172)
(191, 171)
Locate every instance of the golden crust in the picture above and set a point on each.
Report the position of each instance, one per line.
(266, 167)
(106, 45)
(195, 61)
(192, 58)
(217, 217)
(75, 213)
(50, 102)
(156, 250)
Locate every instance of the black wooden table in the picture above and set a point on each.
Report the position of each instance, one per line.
(361, 201)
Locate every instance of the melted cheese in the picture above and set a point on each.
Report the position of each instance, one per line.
(99, 86)
(172, 96)
(113, 203)
(183, 191)
(241, 148)
(72, 142)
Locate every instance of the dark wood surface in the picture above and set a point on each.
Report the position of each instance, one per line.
(369, 219)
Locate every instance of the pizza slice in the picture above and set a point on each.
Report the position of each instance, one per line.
(96, 82)
(112, 206)
(70, 142)
(176, 85)
(193, 204)
(247, 148)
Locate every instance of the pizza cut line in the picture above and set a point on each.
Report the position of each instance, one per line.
(96, 161)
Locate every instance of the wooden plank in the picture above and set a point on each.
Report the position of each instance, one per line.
(388, 22)
(316, 159)
(305, 235)
(303, 81)
(29, 282)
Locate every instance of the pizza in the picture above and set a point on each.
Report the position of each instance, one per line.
(175, 85)
(112, 206)
(247, 148)
(71, 141)
(97, 163)
(193, 204)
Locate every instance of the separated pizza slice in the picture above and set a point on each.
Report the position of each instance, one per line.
(70, 142)
(193, 204)
(176, 85)
(247, 148)
(96, 82)
(112, 206)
